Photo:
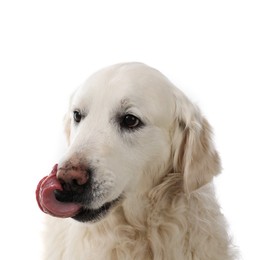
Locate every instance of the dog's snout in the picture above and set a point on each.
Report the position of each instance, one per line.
(71, 177)
(74, 179)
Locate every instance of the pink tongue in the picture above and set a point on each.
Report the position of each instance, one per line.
(46, 199)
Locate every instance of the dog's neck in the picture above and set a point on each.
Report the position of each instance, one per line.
(165, 214)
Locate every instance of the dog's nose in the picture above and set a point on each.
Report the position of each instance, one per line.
(71, 177)
(73, 180)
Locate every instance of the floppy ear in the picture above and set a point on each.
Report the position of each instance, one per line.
(194, 152)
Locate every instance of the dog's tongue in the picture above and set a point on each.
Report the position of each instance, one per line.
(46, 199)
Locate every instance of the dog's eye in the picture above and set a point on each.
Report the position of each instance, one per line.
(130, 122)
(77, 116)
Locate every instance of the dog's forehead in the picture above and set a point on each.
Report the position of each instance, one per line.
(132, 84)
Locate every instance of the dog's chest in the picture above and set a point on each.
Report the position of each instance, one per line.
(89, 243)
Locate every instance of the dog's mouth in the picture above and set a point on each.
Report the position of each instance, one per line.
(54, 201)
(93, 215)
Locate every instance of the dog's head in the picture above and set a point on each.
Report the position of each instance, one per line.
(127, 127)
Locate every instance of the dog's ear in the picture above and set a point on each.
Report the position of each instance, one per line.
(194, 153)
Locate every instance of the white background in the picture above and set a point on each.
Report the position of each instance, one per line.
(220, 53)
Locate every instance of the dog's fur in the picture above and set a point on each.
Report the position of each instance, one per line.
(162, 173)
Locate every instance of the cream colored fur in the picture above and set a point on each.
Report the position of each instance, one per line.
(169, 210)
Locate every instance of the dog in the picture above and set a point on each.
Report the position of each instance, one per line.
(136, 179)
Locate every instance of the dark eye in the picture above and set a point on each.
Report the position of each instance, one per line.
(130, 122)
(77, 116)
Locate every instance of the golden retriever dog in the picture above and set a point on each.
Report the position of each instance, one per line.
(136, 179)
